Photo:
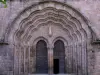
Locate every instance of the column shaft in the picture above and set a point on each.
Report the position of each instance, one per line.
(50, 61)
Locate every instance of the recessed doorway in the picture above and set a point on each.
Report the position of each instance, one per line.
(41, 57)
(59, 57)
(56, 66)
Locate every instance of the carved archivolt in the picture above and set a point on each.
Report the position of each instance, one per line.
(49, 12)
(52, 13)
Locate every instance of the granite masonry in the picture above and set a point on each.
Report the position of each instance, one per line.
(36, 34)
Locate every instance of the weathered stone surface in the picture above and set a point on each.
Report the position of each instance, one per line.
(19, 57)
(6, 60)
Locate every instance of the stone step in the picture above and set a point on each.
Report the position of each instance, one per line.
(51, 74)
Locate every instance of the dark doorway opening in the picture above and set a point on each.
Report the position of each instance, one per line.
(59, 55)
(41, 57)
(56, 66)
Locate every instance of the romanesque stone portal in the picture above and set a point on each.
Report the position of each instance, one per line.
(47, 31)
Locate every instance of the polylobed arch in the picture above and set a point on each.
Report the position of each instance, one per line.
(75, 18)
(57, 13)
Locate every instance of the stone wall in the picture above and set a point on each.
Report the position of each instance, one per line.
(6, 60)
(89, 8)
